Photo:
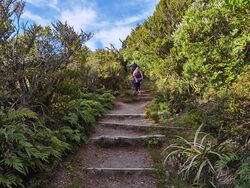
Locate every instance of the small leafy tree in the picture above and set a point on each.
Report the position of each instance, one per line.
(32, 58)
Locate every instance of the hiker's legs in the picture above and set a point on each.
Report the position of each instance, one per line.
(137, 85)
(133, 84)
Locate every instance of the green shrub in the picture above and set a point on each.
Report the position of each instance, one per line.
(235, 166)
(157, 109)
(26, 146)
(69, 88)
(212, 44)
(29, 144)
(162, 109)
(243, 175)
(107, 67)
(106, 98)
(192, 119)
(227, 116)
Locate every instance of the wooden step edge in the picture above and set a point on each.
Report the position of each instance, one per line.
(160, 136)
(147, 90)
(106, 141)
(115, 171)
(141, 127)
(125, 115)
(120, 169)
(144, 97)
(143, 93)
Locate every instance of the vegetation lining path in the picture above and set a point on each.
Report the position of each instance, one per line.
(116, 156)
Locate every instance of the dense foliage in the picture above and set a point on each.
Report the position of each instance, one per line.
(107, 68)
(197, 53)
(53, 88)
(50, 94)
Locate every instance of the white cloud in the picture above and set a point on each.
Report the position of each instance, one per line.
(86, 15)
(124, 26)
(140, 3)
(54, 5)
(35, 2)
(145, 1)
(37, 19)
(45, 3)
(92, 44)
(80, 18)
(109, 36)
(130, 20)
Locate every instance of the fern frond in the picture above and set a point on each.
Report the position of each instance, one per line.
(10, 180)
(72, 118)
(225, 159)
(243, 175)
(13, 161)
(15, 115)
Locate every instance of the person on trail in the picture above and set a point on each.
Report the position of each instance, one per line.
(137, 78)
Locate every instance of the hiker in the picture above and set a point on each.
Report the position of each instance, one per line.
(137, 78)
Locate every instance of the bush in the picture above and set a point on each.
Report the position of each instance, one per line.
(192, 119)
(29, 144)
(107, 68)
(157, 109)
(212, 43)
(227, 116)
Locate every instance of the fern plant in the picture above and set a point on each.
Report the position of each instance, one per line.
(235, 169)
(26, 146)
(243, 176)
(82, 114)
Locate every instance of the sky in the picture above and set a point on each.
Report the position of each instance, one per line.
(109, 20)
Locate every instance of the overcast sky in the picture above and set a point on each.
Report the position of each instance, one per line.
(109, 20)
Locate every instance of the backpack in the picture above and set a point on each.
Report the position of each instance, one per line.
(138, 77)
(138, 74)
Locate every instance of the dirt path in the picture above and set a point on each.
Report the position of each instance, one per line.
(117, 155)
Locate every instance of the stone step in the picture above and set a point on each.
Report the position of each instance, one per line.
(124, 116)
(109, 131)
(115, 157)
(115, 171)
(125, 141)
(126, 178)
(143, 94)
(141, 127)
(147, 91)
(144, 98)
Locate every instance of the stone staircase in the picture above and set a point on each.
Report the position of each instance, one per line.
(117, 154)
(121, 136)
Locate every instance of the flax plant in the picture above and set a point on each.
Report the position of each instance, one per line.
(197, 158)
